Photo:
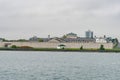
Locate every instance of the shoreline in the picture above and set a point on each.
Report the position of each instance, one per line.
(60, 50)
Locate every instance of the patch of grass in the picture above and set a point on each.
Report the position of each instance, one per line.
(66, 49)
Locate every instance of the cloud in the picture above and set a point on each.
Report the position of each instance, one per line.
(57, 17)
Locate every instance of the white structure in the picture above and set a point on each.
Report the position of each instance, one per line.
(101, 40)
(61, 46)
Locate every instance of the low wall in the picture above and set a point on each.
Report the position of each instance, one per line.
(54, 45)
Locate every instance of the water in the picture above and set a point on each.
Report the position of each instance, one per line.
(20, 65)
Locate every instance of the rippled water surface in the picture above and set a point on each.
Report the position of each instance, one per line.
(20, 65)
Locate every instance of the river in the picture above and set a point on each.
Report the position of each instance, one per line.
(30, 65)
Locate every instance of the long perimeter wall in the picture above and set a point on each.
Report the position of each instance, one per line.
(54, 45)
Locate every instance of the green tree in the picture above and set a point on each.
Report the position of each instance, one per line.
(81, 48)
(64, 36)
(115, 42)
(21, 40)
(40, 40)
(13, 46)
(4, 39)
(101, 47)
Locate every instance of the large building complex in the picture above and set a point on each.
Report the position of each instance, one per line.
(70, 40)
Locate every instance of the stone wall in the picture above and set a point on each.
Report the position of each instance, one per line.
(54, 45)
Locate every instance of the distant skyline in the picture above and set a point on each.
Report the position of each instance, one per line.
(26, 18)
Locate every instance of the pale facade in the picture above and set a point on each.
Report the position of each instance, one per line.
(101, 40)
(55, 45)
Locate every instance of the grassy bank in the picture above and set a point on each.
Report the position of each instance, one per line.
(65, 50)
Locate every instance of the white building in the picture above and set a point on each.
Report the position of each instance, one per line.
(101, 40)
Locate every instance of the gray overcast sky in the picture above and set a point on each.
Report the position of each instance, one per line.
(25, 18)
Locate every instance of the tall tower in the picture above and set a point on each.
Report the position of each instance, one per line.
(89, 34)
(48, 36)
